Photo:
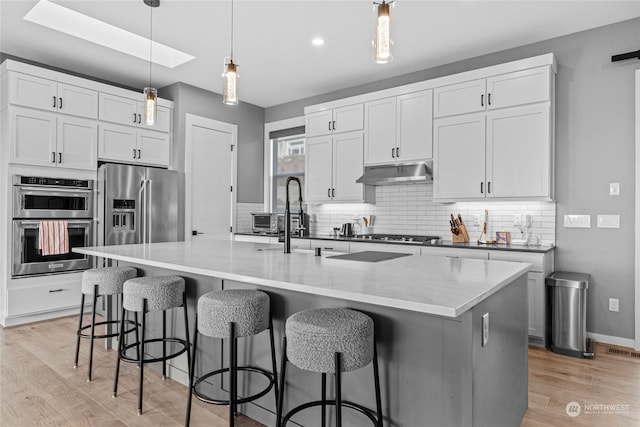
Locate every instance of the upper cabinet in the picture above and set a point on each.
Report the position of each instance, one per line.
(399, 129)
(506, 90)
(50, 95)
(130, 145)
(504, 149)
(128, 111)
(344, 119)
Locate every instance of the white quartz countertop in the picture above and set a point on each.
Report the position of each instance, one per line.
(428, 284)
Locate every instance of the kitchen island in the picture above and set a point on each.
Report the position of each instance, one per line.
(428, 313)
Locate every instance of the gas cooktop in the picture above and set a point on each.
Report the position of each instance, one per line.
(404, 238)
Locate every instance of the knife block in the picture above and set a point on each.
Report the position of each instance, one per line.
(462, 237)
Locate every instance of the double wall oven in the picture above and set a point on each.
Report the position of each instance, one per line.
(39, 198)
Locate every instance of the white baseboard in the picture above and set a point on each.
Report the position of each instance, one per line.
(608, 339)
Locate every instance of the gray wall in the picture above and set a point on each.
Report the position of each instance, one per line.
(594, 146)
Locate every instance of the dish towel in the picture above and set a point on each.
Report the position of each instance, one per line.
(54, 237)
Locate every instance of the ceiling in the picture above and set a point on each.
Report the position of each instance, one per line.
(272, 39)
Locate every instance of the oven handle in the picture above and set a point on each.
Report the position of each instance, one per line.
(36, 224)
(44, 190)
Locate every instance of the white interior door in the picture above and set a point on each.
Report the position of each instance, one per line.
(210, 179)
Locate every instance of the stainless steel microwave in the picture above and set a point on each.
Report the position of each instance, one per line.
(265, 223)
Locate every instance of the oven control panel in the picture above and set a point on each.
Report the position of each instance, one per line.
(52, 182)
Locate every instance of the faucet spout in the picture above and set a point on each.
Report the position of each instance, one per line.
(287, 214)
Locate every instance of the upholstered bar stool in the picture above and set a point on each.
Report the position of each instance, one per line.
(100, 282)
(330, 340)
(143, 295)
(231, 314)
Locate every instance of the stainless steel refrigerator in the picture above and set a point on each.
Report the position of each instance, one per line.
(136, 204)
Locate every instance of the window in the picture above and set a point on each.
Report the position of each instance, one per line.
(288, 160)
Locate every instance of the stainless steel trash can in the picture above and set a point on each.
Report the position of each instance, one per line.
(568, 299)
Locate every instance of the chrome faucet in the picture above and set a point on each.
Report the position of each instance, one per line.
(287, 215)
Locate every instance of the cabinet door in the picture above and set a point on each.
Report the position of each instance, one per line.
(77, 101)
(318, 162)
(77, 143)
(380, 131)
(120, 110)
(319, 123)
(461, 98)
(347, 119)
(163, 118)
(33, 137)
(32, 91)
(348, 165)
(153, 148)
(415, 126)
(117, 143)
(521, 87)
(459, 157)
(536, 296)
(519, 152)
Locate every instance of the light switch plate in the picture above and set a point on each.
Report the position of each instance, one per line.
(608, 221)
(614, 188)
(485, 329)
(577, 221)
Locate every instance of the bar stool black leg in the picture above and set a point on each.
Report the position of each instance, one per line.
(141, 356)
(120, 350)
(273, 359)
(75, 362)
(376, 379)
(323, 398)
(338, 392)
(192, 368)
(164, 345)
(93, 330)
(283, 368)
(232, 374)
(186, 332)
(135, 319)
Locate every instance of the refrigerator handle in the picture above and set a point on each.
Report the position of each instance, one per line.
(142, 223)
(148, 214)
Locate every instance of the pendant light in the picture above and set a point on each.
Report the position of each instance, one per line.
(230, 74)
(150, 93)
(382, 38)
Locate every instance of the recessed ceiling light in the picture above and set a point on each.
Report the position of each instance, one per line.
(76, 24)
(318, 41)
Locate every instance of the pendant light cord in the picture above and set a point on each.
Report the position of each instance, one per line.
(231, 30)
(150, 42)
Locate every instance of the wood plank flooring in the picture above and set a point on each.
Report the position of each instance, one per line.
(39, 386)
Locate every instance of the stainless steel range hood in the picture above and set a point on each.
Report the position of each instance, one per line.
(397, 174)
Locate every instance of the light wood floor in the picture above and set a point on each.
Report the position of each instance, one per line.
(38, 386)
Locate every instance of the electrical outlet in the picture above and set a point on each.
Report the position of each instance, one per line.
(528, 220)
(485, 329)
(614, 304)
(517, 220)
(476, 220)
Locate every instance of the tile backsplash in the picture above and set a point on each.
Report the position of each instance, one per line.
(409, 209)
(243, 216)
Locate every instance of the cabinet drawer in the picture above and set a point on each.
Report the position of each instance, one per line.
(381, 247)
(519, 88)
(536, 259)
(49, 297)
(456, 253)
(328, 245)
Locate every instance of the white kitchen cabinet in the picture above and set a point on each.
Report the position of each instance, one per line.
(380, 131)
(128, 111)
(541, 267)
(338, 120)
(330, 245)
(399, 129)
(50, 95)
(130, 145)
(332, 165)
(505, 153)
(455, 252)
(501, 91)
(360, 246)
(459, 157)
(47, 139)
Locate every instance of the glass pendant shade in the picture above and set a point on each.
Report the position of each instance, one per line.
(150, 105)
(230, 82)
(382, 38)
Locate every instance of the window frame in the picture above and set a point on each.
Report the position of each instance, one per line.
(274, 175)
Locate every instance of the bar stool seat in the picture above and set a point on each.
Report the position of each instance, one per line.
(330, 340)
(231, 314)
(100, 282)
(145, 294)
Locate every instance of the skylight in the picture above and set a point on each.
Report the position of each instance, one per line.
(76, 24)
